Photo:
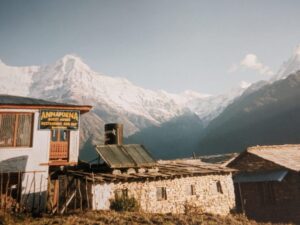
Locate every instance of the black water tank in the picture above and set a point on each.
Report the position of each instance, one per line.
(113, 134)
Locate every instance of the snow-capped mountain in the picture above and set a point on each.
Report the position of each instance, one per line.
(210, 107)
(16, 80)
(70, 79)
(266, 113)
(290, 66)
(114, 99)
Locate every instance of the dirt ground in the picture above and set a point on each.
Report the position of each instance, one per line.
(125, 218)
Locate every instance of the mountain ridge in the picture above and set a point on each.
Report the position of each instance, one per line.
(115, 99)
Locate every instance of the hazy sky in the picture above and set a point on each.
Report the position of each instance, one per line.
(206, 46)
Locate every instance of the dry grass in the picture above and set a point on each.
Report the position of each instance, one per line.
(126, 218)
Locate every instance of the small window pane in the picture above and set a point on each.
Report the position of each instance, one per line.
(119, 193)
(161, 193)
(7, 125)
(190, 190)
(24, 130)
(54, 135)
(63, 135)
(219, 187)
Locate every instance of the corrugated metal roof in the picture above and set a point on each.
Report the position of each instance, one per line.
(125, 156)
(264, 176)
(287, 156)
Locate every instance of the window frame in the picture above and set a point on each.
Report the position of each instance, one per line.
(163, 194)
(121, 193)
(190, 190)
(193, 189)
(219, 187)
(15, 129)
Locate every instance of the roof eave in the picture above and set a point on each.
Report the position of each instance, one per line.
(82, 108)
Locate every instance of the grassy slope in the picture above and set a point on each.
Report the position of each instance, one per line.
(111, 217)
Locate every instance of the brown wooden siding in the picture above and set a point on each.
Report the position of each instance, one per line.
(268, 201)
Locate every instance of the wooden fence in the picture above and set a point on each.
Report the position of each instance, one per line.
(37, 192)
(22, 191)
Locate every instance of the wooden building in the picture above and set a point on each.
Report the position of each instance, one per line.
(36, 136)
(267, 185)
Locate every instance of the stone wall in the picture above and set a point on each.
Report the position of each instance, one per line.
(207, 195)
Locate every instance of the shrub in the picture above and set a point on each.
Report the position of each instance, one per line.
(192, 209)
(125, 203)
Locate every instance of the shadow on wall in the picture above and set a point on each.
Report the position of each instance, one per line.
(21, 190)
(34, 202)
(14, 164)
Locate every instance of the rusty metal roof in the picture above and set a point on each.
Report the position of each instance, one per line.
(287, 156)
(10, 101)
(125, 156)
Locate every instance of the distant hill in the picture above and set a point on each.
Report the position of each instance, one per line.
(270, 115)
(172, 139)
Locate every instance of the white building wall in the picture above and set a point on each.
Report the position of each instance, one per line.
(34, 161)
(74, 146)
(29, 160)
(14, 159)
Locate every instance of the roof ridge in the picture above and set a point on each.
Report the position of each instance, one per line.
(265, 147)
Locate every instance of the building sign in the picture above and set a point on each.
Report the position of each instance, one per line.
(59, 119)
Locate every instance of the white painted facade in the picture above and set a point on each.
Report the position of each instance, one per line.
(34, 160)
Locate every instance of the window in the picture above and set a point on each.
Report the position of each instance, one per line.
(219, 187)
(190, 189)
(16, 129)
(121, 193)
(161, 193)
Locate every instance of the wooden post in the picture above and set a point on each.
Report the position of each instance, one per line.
(10, 192)
(80, 194)
(33, 200)
(67, 193)
(40, 194)
(19, 188)
(1, 199)
(93, 188)
(241, 197)
(194, 155)
(21, 200)
(6, 189)
(55, 196)
(87, 194)
(24, 192)
(75, 198)
(68, 202)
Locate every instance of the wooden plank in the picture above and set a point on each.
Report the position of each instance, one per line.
(68, 202)
(80, 194)
(15, 130)
(82, 108)
(87, 194)
(1, 190)
(55, 195)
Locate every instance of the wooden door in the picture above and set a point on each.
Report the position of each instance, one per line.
(59, 145)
